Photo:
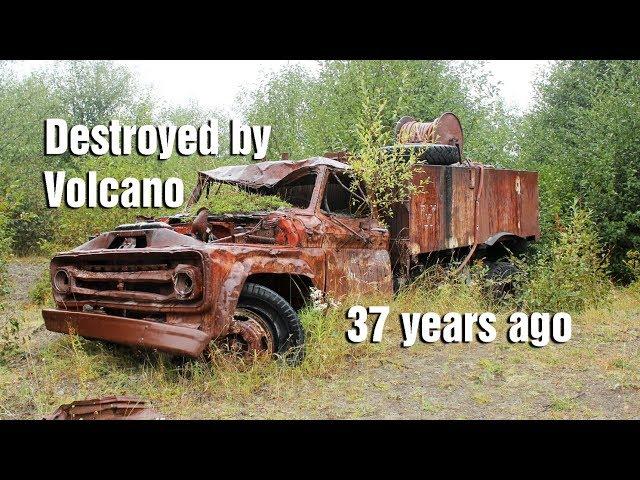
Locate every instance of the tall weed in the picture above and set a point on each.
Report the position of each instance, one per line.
(571, 274)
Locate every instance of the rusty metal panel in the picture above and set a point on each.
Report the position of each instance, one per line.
(509, 203)
(358, 271)
(267, 174)
(426, 211)
(464, 187)
(443, 217)
(529, 217)
(127, 331)
(106, 408)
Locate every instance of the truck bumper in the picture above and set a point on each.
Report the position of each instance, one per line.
(128, 331)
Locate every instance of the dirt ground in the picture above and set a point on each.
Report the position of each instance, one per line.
(595, 375)
(23, 273)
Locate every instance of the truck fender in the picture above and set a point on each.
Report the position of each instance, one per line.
(231, 287)
(499, 236)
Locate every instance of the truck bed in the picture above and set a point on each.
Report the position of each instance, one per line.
(442, 215)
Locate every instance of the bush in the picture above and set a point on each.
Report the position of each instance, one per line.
(385, 177)
(12, 340)
(5, 246)
(27, 220)
(632, 262)
(582, 138)
(572, 273)
(40, 293)
(229, 199)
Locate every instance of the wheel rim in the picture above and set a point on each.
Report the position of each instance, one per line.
(249, 334)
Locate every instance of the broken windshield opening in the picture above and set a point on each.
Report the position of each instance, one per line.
(340, 197)
(297, 192)
(220, 198)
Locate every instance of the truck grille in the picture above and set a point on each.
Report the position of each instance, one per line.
(135, 281)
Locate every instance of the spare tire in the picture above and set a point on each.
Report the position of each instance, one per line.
(440, 155)
(431, 154)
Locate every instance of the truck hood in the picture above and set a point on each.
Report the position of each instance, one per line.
(280, 227)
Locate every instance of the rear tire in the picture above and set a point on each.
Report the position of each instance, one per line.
(501, 274)
(279, 316)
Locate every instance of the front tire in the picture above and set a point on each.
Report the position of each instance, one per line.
(266, 323)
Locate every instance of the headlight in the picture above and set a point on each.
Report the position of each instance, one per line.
(61, 281)
(183, 283)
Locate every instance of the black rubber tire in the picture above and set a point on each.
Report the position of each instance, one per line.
(283, 320)
(501, 274)
(434, 154)
(440, 155)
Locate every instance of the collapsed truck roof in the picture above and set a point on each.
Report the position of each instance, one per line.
(260, 175)
(267, 174)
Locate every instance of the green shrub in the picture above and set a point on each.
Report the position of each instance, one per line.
(572, 273)
(385, 176)
(632, 262)
(27, 220)
(581, 136)
(12, 340)
(233, 200)
(40, 293)
(5, 247)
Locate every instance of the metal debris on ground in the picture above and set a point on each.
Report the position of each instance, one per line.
(107, 408)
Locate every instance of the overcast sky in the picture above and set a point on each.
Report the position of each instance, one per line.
(214, 83)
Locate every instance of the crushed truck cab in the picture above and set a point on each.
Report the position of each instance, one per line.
(178, 283)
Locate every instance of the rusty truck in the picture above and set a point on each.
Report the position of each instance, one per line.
(181, 282)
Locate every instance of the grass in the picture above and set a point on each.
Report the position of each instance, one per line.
(429, 406)
(229, 199)
(562, 404)
(57, 369)
(595, 375)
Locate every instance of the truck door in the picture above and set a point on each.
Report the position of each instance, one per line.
(356, 245)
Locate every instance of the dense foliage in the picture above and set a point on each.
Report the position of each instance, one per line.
(583, 138)
(80, 92)
(315, 112)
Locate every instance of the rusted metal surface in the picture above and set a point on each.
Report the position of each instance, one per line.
(445, 130)
(249, 334)
(200, 226)
(443, 215)
(106, 408)
(267, 174)
(128, 295)
(128, 331)
(356, 271)
(174, 283)
(340, 155)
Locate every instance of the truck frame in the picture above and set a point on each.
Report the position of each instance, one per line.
(178, 283)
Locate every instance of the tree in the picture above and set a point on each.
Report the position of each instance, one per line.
(315, 112)
(80, 92)
(582, 138)
(281, 100)
(94, 92)
(193, 113)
